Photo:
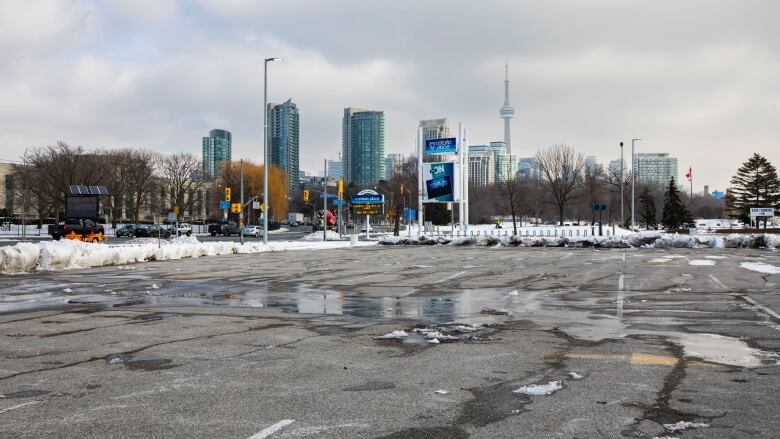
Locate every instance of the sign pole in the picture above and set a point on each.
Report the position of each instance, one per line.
(241, 214)
(465, 180)
(325, 205)
(459, 154)
(420, 213)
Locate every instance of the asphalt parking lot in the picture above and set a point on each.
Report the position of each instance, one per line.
(628, 343)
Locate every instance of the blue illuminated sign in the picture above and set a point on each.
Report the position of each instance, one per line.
(368, 199)
(441, 146)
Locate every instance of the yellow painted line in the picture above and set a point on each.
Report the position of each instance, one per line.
(637, 358)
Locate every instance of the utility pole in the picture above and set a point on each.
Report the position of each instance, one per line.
(633, 184)
(421, 213)
(265, 149)
(241, 217)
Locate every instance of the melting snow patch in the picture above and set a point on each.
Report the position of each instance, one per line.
(701, 262)
(443, 392)
(67, 291)
(660, 260)
(664, 437)
(760, 267)
(716, 257)
(680, 290)
(684, 425)
(394, 335)
(434, 341)
(540, 389)
(155, 286)
(576, 376)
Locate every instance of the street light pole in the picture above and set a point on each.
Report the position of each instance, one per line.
(265, 148)
(622, 197)
(633, 183)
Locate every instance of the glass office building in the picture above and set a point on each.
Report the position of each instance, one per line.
(363, 146)
(283, 132)
(217, 149)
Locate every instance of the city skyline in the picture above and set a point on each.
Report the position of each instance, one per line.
(703, 91)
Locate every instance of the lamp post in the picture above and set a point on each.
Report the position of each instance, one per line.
(265, 148)
(622, 197)
(633, 183)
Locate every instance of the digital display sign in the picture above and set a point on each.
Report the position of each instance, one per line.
(440, 182)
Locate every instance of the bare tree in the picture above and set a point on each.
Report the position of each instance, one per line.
(141, 169)
(561, 168)
(511, 195)
(179, 177)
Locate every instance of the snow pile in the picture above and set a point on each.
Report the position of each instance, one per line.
(647, 239)
(760, 267)
(701, 262)
(684, 425)
(576, 375)
(69, 254)
(432, 334)
(540, 389)
(393, 335)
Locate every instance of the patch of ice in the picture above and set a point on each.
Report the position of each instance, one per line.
(701, 262)
(540, 389)
(512, 293)
(760, 267)
(394, 335)
(660, 260)
(684, 425)
(443, 392)
(67, 290)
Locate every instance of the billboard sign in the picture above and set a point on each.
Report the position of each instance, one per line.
(368, 199)
(439, 182)
(761, 211)
(441, 146)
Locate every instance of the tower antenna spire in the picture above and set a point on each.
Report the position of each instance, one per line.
(507, 112)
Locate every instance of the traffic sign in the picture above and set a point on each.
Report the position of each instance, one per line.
(224, 204)
(328, 195)
(761, 211)
(410, 214)
(338, 202)
(171, 216)
(255, 205)
(368, 199)
(599, 207)
(366, 209)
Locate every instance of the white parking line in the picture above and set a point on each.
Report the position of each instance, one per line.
(18, 406)
(717, 281)
(264, 433)
(621, 282)
(449, 277)
(408, 293)
(763, 308)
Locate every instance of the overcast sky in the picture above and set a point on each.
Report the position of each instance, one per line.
(698, 79)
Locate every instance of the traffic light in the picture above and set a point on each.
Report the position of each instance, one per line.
(403, 190)
(227, 194)
(235, 207)
(306, 195)
(341, 188)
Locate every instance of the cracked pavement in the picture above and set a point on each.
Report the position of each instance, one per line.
(240, 345)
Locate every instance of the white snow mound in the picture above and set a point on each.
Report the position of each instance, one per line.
(540, 389)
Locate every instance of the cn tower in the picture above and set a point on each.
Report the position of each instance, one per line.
(507, 111)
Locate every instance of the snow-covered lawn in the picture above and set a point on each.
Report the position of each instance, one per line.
(66, 254)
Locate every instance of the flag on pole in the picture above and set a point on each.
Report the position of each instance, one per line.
(689, 174)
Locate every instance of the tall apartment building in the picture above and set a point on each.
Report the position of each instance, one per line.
(655, 168)
(283, 134)
(392, 162)
(363, 146)
(482, 168)
(217, 149)
(335, 169)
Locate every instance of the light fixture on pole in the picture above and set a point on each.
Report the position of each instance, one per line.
(633, 182)
(266, 205)
(622, 197)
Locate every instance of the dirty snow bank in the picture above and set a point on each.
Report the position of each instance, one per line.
(68, 255)
(639, 239)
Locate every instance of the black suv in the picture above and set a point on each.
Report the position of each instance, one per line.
(127, 230)
(151, 231)
(225, 228)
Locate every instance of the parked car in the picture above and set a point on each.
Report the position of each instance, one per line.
(225, 228)
(363, 228)
(184, 229)
(151, 231)
(77, 226)
(128, 230)
(252, 231)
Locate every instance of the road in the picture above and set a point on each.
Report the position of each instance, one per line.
(272, 236)
(283, 345)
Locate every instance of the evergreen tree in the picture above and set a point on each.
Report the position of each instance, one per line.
(755, 185)
(675, 215)
(647, 211)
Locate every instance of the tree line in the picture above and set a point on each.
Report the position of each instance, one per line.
(143, 185)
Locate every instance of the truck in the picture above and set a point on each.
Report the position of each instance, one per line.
(80, 229)
(295, 218)
(224, 227)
